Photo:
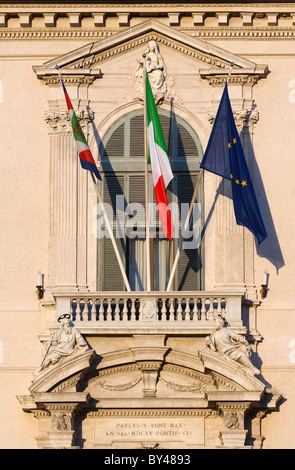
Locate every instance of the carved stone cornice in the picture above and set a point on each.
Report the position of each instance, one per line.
(142, 41)
(207, 33)
(70, 77)
(239, 76)
(80, 66)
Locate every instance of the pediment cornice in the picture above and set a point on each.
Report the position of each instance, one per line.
(84, 64)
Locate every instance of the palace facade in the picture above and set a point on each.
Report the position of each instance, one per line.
(85, 361)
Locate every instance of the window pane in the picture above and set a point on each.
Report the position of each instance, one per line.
(137, 137)
(126, 141)
(115, 144)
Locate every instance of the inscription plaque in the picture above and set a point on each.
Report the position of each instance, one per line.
(187, 430)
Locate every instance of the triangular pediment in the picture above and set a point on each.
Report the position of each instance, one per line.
(88, 59)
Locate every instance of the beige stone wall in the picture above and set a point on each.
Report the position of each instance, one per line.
(25, 204)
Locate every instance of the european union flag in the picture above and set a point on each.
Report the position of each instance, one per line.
(224, 156)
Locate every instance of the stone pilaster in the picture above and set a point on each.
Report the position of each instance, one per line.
(235, 246)
(68, 199)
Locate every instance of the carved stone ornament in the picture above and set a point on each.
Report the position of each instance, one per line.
(59, 121)
(244, 118)
(155, 66)
(63, 343)
(231, 345)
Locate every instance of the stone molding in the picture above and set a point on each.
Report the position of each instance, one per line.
(80, 67)
(244, 17)
(56, 399)
(218, 33)
(135, 36)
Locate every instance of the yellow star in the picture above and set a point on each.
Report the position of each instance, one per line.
(229, 145)
(244, 183)
(237, 182)
(235, 141)
(231, 176)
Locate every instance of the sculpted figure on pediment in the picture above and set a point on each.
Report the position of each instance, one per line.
(63, 343)
(156, 70)
(226, 341)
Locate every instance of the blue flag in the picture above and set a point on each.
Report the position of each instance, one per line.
(225, 157)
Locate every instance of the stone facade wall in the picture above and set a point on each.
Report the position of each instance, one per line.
(198, 43)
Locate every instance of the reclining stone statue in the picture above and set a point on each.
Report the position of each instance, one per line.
(225, 341)
(63, 343)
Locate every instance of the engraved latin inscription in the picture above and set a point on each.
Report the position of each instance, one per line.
(189, 430)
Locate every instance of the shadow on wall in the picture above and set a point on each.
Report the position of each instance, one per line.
(270, 248)
(113, 184)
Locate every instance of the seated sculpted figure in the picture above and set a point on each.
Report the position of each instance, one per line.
(155, 67)
(225, 341)
(66, 341)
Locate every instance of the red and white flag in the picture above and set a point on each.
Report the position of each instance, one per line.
(158, 158)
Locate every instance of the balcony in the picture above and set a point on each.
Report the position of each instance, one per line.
(190, 312)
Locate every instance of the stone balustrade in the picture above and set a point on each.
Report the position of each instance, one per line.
(190, 310)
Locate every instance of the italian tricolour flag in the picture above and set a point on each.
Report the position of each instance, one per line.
(158, 158)
(85, 155)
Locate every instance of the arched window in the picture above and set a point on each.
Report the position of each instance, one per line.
(123, 184)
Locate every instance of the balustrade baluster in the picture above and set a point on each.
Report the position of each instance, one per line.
(125, 310)
(79, 310)
(95, 309)
(211, 309)
(179, 310)
(218, 309)
(164, 310)
(133, 310)
(84, 311)
(117, 310)
(195, 309)
(187, 310)
(109, 310)
(73, 309)
(170, 308)
(223, 308)
(203, 309)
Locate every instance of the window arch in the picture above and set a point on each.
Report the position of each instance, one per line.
(122, 162)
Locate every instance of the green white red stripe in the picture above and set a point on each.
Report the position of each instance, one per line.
(158, 158)
(85, 155)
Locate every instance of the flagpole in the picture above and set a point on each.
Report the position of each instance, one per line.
(230, 71)
(106, 218)
(186, 224)
(104, 213)
(184, 230)
(147, 224)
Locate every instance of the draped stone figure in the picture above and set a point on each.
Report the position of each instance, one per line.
(156, 70)
(226, 341)
(63, 343)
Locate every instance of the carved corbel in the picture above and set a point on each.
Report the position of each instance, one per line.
(150, 374)
(149, 352)
(233, 434)
(56, 414)
(62, 433)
